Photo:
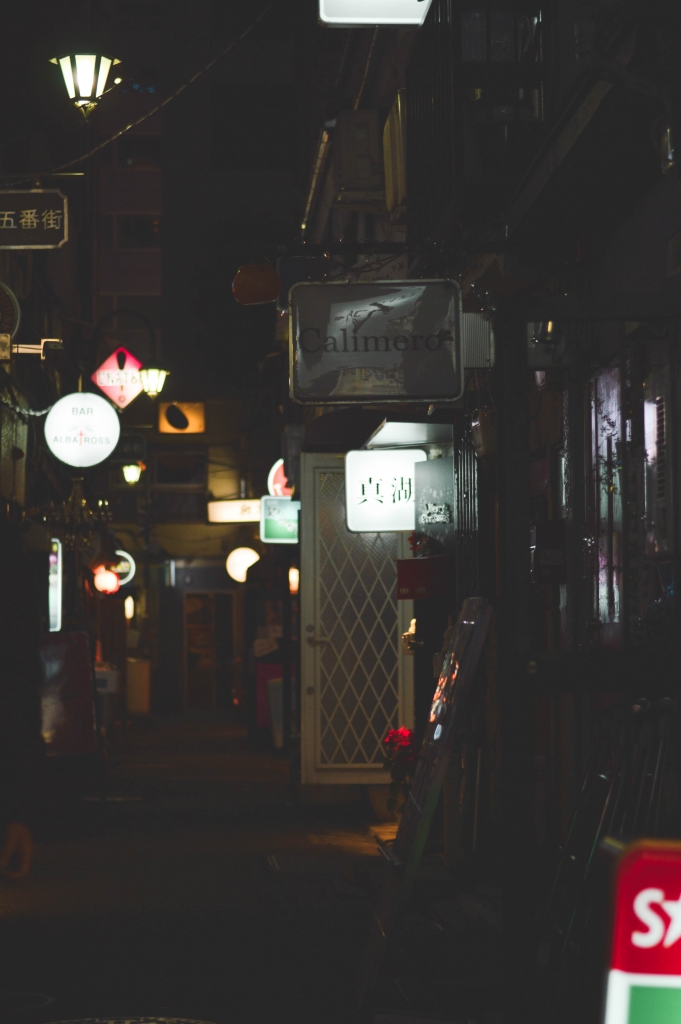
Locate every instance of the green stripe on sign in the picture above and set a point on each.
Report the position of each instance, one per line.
(652, 1005)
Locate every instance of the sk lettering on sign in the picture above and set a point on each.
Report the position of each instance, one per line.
(380, 490)
(644, 983)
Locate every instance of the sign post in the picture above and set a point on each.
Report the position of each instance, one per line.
(644, 983)
(33, 219)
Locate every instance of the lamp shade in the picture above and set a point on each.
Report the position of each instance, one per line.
(153, 380)
(239, 562)
(132, 473)
(106, 581)
(85, 76)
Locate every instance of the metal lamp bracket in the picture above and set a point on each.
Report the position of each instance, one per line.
(7, 349)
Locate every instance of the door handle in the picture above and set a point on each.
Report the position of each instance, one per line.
(312, 640)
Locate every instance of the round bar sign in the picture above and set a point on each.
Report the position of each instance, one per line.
(82, 429)
(644, 984)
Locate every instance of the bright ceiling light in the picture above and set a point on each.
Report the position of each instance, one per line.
(239, 562)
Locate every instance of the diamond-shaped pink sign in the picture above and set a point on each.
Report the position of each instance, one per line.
(119, 377)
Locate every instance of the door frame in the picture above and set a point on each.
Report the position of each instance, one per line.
(311, 770)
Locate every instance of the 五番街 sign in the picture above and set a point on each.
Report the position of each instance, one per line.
(379, 490)
(33, 219)
(355, 13)
(644, 983)
(82, 429)
(388, 341)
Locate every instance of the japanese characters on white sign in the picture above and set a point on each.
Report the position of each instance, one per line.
(380, 490)
(355, 13)
(82, 429)
(234, 510)
(387, 341)
(33, 219)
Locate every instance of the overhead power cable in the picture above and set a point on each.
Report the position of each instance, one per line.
(164, 103)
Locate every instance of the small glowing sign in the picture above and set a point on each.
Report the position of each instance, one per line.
(355, 13)
(644, 983)
(181, 418)
(242, 510)
(239, 561)
(126, 568)
(82, 429)
(380, 489)
(279, 520)
(54, 594)
(119, 377)
(277, 481)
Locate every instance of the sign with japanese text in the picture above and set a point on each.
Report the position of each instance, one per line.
(119, 377)
(380, 490)
(375, 341)
(33, 219)
(82, 429)
(356, 13)
(234, 510)
(279, 520)
(644, 983)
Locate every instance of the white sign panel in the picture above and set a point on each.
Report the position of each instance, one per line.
(55, 585)
(376, 341)
(239, 510)
(82, 429)
(379, 490)
(349, 13)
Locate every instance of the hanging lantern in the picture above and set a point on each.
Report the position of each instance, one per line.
(153, 380)
(106, 580)
(85, 76)
(256, 284)
(133, 472)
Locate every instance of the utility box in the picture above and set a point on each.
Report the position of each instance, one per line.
(357, 158)
(547, 551)
(430, 578)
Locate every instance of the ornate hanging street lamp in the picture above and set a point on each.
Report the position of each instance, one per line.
(153, 380)
(85, 76)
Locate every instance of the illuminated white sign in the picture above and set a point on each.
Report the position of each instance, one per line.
(279, 520)
(242, 510)
(349, 13)
(54, 593)
(126, 568)
(379, 490)
(82, 429)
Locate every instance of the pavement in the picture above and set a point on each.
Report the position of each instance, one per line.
(202, 890)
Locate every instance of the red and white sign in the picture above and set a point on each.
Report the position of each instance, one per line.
(277, 481)
(644, 983)
(119, 377)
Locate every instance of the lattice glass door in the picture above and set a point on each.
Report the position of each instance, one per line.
(356, 683)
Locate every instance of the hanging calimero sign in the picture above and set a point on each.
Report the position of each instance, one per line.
(376, 341)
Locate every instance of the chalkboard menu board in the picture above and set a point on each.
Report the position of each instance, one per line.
(449, 701)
